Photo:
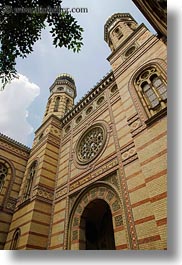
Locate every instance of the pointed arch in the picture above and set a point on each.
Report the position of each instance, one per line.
(29, 180)
(7, 180)
(15, 240)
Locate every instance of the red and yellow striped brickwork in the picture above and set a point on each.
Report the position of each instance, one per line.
(127, 177)
(14, 156)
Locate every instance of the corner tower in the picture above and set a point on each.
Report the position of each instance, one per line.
(62, 95)
(118, 28)
(139, 64)
(39, 180)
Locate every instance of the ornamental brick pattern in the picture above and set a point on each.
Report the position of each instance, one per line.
(100, 164)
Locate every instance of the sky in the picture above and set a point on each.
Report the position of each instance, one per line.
(23, 102)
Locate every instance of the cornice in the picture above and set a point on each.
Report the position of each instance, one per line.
(131, 36)
(111, 20)
(48, 121)
(15, 143)
(63, 82)
(89, 97)
(84, 101)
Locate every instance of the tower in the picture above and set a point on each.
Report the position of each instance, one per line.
(118, 28)
(36, 195)
(139, 63)
(62, 95)
(132, 45)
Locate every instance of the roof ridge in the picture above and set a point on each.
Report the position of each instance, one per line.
(87, 94)
(15, 142)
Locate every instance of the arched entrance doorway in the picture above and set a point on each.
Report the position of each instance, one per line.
(98, 206)
(97, 227)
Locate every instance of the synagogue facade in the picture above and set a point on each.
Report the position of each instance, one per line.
(95, 177)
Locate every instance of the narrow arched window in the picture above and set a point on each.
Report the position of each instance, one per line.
(67, 105)
(3, 174)
(56, 106)
(15, 240)
(149, 95)
(47, 108)
(151, 87)
(118, 33)
(159, 85)
(29, 181)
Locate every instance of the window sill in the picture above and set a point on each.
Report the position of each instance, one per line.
(25, 202)
(156, 117)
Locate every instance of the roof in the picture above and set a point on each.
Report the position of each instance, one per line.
(121, 16)
(65, 76)
(14, 142)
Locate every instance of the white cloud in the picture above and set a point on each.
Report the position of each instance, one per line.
(14, 102)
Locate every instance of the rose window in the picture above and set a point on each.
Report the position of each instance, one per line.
(90, 144)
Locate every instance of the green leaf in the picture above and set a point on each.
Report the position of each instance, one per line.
(19, 32)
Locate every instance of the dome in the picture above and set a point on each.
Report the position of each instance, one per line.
(65, 76)
(113, 18)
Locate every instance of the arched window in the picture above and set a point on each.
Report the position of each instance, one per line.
(118, 33)
(56, 106)
(3, 174)
(47, 108)
(151, 87)
(15, 240)
(159, 86)
(29, 181)
(60, 88)
(67, 105)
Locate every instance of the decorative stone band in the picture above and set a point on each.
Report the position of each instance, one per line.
(19, 145)
(98, 191)
(44, 194)
(14, 147)
(93, 175)
(129, 154)
(90, 96)
(135, 124)
(61, 193)
(11, 203)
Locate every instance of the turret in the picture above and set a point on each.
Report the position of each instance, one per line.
(118, 28)
(62, 95)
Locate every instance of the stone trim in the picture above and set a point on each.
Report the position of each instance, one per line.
(97, 128)
(111, 20)
(15, 143)
(90, 96)
(160, 64)
(131, 36)
(99, 190)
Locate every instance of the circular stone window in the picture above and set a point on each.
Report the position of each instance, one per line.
(78, 119)
(67, 129)
(114, 88)
(130, 51)
(91, 143)
(89, 110)
(100, 100)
